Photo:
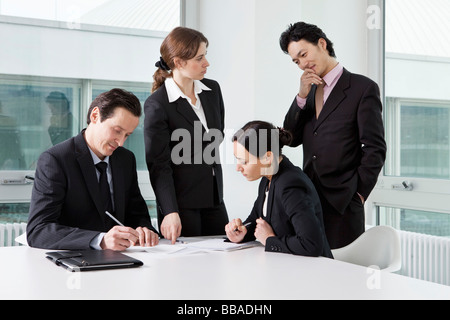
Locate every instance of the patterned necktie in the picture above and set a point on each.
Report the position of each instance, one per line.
(104, 186)
(319, 98)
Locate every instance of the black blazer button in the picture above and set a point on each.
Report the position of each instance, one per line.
(314, 157)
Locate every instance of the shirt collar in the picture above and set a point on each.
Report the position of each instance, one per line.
(97, 159)
(174, 92)
(332, 76)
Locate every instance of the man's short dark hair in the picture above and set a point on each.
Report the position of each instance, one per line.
(309, 32)
(108, 101)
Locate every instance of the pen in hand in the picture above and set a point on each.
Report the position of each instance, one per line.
(245, 225)
(115, 220)
(118, 222)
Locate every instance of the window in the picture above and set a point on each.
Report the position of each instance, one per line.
(432, 223)
(416, 118)
(419, 138)
(37, 113)
(34, 115)
(150, 15)
(14, 212)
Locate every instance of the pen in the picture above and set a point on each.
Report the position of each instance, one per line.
(115, 220)
(245, 225)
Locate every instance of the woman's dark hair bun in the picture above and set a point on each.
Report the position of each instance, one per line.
(285, 137)
(254, 132)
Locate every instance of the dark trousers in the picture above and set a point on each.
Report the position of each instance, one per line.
(203, 222)
(343, 229)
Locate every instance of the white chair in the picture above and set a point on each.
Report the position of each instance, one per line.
(378, 246)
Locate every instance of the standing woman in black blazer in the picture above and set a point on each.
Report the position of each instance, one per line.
(287, 215)
(184, 123)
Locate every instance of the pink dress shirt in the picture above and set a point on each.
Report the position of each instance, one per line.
(331, 78)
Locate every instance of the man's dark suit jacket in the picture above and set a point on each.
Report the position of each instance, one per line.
(66, 210)
(344, 149)
(188, 185)
(293, 211)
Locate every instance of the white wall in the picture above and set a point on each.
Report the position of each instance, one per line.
(344, 23)
(65, 53)
(230, 29)
(404, 77)
(258, 80)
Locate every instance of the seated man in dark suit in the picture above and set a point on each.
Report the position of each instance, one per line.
(69, 203)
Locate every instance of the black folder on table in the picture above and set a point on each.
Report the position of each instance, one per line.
(88, 260)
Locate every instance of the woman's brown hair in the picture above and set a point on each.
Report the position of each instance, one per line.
(182, 43)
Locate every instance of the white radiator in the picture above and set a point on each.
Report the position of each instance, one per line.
(425, 257)
(9, 232)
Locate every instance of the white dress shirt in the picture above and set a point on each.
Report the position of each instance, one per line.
(265, 203)
(174, 92)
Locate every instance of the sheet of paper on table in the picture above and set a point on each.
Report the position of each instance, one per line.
(195, 246)
(218, 244)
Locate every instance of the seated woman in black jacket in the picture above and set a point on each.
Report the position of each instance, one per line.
(287, 215)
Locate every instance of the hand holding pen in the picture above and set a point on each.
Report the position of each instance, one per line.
(121, 237)
(236, 230)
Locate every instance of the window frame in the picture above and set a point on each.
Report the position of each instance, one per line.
(427, 194)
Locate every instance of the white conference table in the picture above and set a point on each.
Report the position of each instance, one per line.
(247, 274)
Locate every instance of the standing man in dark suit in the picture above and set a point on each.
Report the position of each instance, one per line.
(68, 207)
(337, 116)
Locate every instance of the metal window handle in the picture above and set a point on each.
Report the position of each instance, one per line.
(17, 181)
(404, 186)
